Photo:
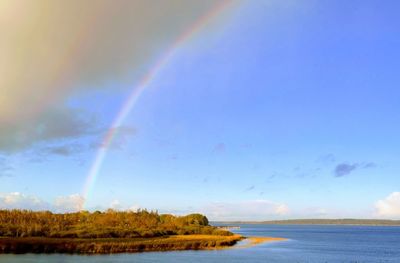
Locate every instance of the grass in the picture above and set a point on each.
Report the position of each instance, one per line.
(115, 245)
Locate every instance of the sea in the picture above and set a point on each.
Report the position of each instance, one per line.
(306, 243)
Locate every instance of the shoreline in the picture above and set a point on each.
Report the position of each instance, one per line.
(38, 245)
(254, 241)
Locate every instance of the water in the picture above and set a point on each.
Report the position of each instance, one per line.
(306, 244)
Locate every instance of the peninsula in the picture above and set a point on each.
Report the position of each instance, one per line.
(23, 231)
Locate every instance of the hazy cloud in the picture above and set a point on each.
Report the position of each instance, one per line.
(5, 168)
(389, 207)
(273, 175)
(173, 157)
(55, 125)
(246, 145)
(219, 147)
(246, 210)
(74, 146)
(314, 212)
(326, 158)
(63, 150)
(369, 165)
(122, 135)
(250, 188)
(306, 172)
(52, 50)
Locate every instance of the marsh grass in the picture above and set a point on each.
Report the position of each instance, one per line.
(115, 245)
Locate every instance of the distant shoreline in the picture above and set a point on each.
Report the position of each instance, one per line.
(349, 222)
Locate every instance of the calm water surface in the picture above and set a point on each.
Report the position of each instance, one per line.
(306, 244)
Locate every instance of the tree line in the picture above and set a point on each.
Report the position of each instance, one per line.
(108, 224)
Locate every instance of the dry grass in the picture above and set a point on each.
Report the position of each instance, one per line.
(115, 245)
(127, 245)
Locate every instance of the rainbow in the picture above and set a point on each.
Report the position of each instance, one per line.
(138, 90)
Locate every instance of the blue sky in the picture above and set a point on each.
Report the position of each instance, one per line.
(271, 110)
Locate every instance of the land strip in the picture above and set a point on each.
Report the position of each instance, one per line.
(115, 245)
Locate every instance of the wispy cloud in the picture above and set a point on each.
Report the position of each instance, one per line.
(219, 147)
(368, 165)
(301, 172)
(5, 168)
(74, 147)
(63, 150)
(343, 169)
(247, 145)
(122, 136)
(326, 158)
(250, 188)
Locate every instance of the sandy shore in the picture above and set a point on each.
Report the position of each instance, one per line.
(254, 241)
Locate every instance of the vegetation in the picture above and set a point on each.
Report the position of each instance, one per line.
(109, 224)
(107, 232)
(115, 245)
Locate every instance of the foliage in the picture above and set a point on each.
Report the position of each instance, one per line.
(109, 224)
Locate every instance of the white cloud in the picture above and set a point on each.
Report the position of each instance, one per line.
(18, 200)
(134, 208)
(389, 207)
(71, 203)
(246, 210)
(282, 209)
(116, 205)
